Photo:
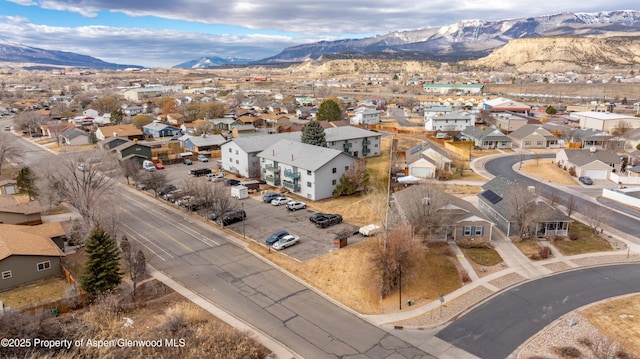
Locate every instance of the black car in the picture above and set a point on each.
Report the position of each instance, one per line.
(198, 172)
(231, 182)
(270, 196)
(230, 217)
(166, 189)
(276, 236)
(328, 220)
(317, 216)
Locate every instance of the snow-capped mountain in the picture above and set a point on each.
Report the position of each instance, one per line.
(15, 52)
(470, 39)
(211, 61)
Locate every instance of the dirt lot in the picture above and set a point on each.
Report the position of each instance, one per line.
(618, 319)
(545, 169)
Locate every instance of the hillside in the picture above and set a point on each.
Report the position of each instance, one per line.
(561, 54)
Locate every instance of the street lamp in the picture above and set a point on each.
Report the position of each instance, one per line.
(400, 283)
(242, 206)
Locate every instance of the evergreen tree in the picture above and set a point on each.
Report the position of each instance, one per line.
(93, 139)
(26, 182)
(116, 117)
(102, 272)
(313, 134)
(329, 110)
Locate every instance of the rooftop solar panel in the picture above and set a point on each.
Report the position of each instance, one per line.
(491, 196)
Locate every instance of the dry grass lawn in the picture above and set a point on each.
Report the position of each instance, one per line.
(36, 293)
(546, 170)
(618, 319)
(63, 148)
(528, 247)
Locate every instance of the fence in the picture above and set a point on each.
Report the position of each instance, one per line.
(624, 179)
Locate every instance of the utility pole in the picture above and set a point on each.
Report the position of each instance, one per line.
(400, 283)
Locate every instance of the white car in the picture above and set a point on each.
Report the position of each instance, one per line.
(294, 205)
(215, 177)
(280, 200)
(286, 241)
(203, 158)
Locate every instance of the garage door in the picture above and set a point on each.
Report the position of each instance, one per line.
(596, 174)
(422, 172)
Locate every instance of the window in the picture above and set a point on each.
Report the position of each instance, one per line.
(466, 231)
(333, 182)
(236, 152)
(376, 145)
(44, 265)
(6, 274)
(308, 173)
(231, 160)
(230, 150)
(309, 184)
(539, 143)
(478, 231)
(346, 168)
(237, 162)
(334, 170)
(527, 143)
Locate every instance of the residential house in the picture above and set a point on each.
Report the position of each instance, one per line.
(487, 137)
(202, 143)
(74, 137)
(90, 113)
(449, 122)
(460, 219)
(509, 122)
(224, 124)
(133, 110)
(594, 163)
(140, 94)
(588, 137)
(501, 104)
(251, 120)
(309, 171)
(129, 131)
(112, 142)
(277, 108)
(175, 119)
(8, 186)
(365, 116)
(55, 128)
(605, 121)
(14, 212)
(276, 122)
(240, 155)
(158, 130)
(354, 141)
(427, 160)
(243, 130)
(26, 257)
(501, 202)
(306, 113)
(133, 150)
(632, 139)
(533, 136)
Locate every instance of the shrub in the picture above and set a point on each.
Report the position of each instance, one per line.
(568, 352)
(464, 276)
(573, 236)
(572, 171)
(545, 252)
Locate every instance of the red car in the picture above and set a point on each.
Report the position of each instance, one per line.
(159, 166)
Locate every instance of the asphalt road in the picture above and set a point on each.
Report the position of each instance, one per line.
(499, 326)
(502, 166)
(249, 288)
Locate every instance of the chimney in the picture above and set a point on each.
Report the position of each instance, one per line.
(115, 134)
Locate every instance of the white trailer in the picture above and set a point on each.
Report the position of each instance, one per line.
(370, 230)
(239, 192)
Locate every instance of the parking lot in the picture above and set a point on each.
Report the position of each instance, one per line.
(263, 218)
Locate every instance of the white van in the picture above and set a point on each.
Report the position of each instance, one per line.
(148, 165)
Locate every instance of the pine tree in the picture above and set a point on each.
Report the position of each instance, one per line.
(329, 110)
(313, 134)
(102, 272)
(93, 139)
(26, 182)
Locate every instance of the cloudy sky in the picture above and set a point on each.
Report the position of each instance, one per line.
(164, 33)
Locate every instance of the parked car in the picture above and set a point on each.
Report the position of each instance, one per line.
(231, 182)
(183, 201)
(295, 205)
(280, 200)
(317, 216)
(141, 186)
(270, 196)
(7, 128)
(148, 165)
(159, 166)
(230, 217)
(166, 189)
(173, 195)
(328, 220)
(187, 161)
(586, 180)
(276, 236)
(215, 177)
(286, 241)
(203, 158)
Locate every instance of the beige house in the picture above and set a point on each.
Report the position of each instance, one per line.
(15, 212)
(129, 131)
(26, 256)
(597, 164)
(533, 136)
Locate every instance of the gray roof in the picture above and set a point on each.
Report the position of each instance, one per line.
(455, 115)
(587, 134)
(73, 133)
(485, 133)
(633, 134)
(260, 142)
(208, 140)
(529, 129)
(417, 153)
(225, 120)
(301, 155)
(581, 157)
(347, 133)
(157, 126)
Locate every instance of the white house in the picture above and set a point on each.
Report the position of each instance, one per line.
(605, 121)
(310, 171)
(453, 121)
(365, 116)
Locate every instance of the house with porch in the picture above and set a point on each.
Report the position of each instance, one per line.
(128, 131)
(158, 130)
(309, 171)
(365, 116)
(588, 137)
(202, 143)
(498, 203)
(487, 137)
(533, 136)
(74, 137)
(13, 211)
(133, 150)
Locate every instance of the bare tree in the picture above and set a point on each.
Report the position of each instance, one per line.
(28, 121)
(130, 169)
(155, 180)
(594, 216)
(8, 147)
(521, 203)
(397, 253)
(571, 205)
(135, 264)
(622, 128)
(56, 128)
(192, 111)
(203, 128)
(105, 104)
(426, 210)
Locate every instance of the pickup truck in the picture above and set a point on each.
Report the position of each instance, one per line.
(328, 220)
(370, 230)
